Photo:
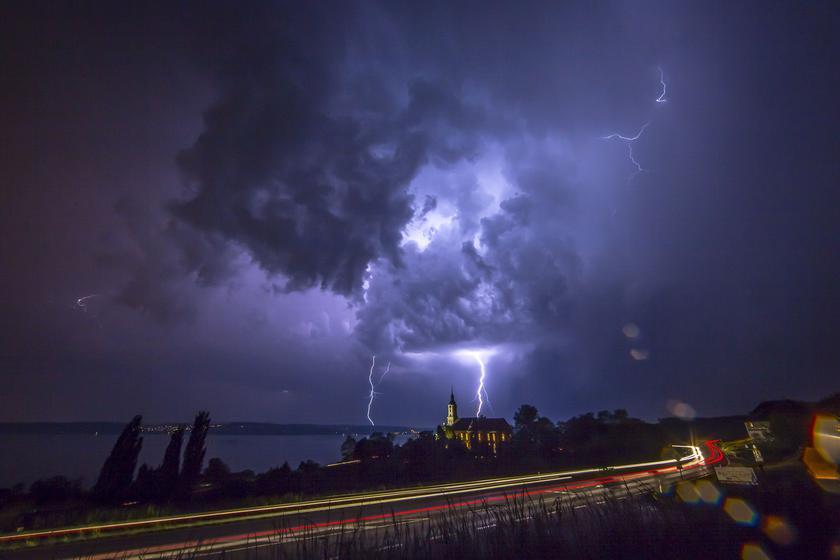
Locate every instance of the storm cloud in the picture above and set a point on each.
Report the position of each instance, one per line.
(265, 195)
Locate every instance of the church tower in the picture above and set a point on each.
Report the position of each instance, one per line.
(452, 409)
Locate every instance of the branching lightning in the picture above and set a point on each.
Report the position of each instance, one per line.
(372, 393)
(81, 302)
(384, 373)
(629, 141)
(477, 357)
(661, 98)
(618, 136)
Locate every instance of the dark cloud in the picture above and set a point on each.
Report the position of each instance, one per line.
(315, 188)
(409, 179)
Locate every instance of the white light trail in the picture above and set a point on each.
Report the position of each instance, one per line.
(661, 98)
(693, 460)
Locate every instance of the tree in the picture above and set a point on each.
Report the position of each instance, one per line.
(194, 452)
(275, 482)
(347, 448)
(376, 446)
(55, 489)
(217, 472)
(118, 471)
(161, 483)
(525, 417)
(168, 471)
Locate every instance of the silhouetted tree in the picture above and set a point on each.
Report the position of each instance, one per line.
(172, 460)
(161, 483)
(194, 452)
(118, 471)
(347, 448)
(217, 472)
(374, 447)
(55, 489)
(275, 482)
(524, 417)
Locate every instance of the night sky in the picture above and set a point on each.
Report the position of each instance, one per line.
(261, 196)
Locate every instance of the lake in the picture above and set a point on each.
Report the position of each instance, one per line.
(26, 458)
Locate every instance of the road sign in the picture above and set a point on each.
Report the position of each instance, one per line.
(736, 475)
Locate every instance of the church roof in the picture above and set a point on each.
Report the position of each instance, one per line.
(482, 424)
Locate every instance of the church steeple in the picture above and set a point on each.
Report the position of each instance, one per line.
(452, 409)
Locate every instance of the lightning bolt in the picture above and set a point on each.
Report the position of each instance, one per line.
(629, 141)
(477, 357)
(372, 393)
(80, 303)
(618, 136)
(661, 98)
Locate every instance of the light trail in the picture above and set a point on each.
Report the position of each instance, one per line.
(693, 460)
(663, 467)
(372, 393)
(481, 388)
(661, 98)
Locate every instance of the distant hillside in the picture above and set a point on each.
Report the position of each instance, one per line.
(263, 428)
(228, 428)
(766, 409)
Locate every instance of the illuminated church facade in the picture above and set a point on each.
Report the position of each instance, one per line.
(477, 433)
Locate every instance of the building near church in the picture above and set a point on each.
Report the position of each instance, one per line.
(477, 433)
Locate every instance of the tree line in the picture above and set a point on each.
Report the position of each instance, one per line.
(375, 461)
(172, 479)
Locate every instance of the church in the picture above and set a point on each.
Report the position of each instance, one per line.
(477, 433)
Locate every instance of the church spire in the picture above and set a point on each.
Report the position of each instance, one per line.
(452, 409)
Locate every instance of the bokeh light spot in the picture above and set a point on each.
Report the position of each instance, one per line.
(631, 330)
(681, 409)
(778, 530)
(740, 511)
(753, 551)
(688, 492)
(709, 493)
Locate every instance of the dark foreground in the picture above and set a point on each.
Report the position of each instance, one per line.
(649, 511)
(292, 530)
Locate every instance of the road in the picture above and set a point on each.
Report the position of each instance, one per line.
(248, 531)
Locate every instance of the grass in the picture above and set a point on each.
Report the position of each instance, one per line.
(568, 527)
(651, 526)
